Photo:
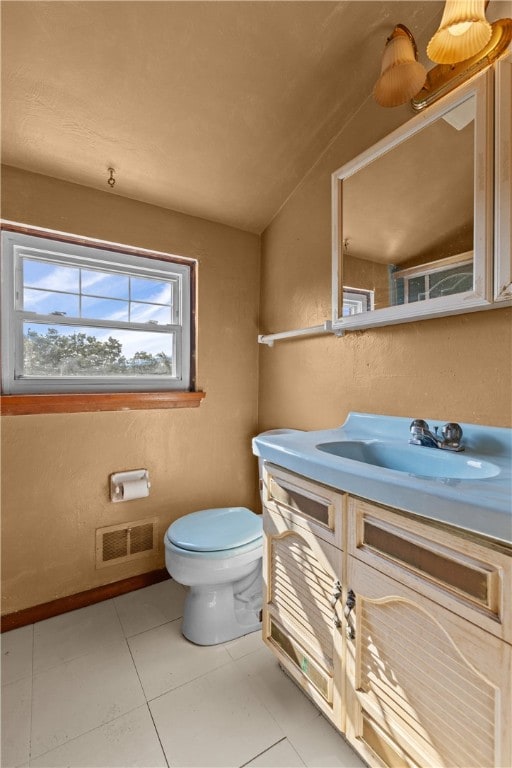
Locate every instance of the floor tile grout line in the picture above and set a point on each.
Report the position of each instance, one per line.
(150, 629)
(147, 704)
(16, 679)
(114, 606)
(203, 674)
(123, 635)
(80, 656)
(136, 670)
(126, 640)
(229, 660)
(187, 682)
(31, 695)
(85, 733)
(157, 734)
(267, 708)
(67, 661)
(255, 757)
(246, 677)
(29, 672)
(318, 715)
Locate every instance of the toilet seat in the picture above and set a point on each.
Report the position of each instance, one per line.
(216, 530)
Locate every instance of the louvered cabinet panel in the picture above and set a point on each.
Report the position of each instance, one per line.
(424, 687)
(302, 612)
(301, 591)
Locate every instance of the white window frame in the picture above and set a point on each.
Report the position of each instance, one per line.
(15, 245)
(357, 300)
(425, 270)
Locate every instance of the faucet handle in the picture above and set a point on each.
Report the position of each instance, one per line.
(418, 425)
(452, 432)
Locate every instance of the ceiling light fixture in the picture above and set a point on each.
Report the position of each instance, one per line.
(445, 77)
(463, 32)
(403, 77)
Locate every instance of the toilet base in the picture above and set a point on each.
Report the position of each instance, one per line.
(217, 613)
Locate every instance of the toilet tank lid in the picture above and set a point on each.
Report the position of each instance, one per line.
(211, 530)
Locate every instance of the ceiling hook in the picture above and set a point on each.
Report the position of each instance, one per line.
(111, 181)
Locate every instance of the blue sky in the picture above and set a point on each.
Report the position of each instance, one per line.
(50, 287)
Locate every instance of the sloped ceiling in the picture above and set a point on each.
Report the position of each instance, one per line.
(216, 109)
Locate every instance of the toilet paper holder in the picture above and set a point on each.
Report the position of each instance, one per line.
(132, 484)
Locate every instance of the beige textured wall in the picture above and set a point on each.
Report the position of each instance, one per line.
(456, 368)
(55, 468)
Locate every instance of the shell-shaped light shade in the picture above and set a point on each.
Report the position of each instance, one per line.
(402, 77)
(463, 32)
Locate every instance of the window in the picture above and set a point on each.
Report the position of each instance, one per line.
(77, 318)
(357, 300)
(431, 281)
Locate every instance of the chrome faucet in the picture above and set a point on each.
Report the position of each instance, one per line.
(450, 440)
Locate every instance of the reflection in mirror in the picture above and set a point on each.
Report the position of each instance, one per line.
(407, 222)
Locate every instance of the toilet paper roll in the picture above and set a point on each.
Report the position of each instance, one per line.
(135, 489)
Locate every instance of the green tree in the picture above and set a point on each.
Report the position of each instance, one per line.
(79, 354)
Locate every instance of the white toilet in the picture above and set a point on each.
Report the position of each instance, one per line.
(218, 554)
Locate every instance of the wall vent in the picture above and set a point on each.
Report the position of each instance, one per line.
(127, 541)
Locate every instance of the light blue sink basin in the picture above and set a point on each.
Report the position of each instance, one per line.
(369, 456)
(415, 460)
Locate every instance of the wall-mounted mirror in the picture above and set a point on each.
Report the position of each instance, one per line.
(412, 217)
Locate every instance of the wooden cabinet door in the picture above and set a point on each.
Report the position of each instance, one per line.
(302, 609)
(424, 686)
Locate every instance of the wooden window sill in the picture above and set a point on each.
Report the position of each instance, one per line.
(24, 405)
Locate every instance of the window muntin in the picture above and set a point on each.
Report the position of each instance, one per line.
(49, 288)
(77, 318)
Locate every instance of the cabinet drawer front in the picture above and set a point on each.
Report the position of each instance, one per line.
(437, 687)
(315, 507)
(468, 577)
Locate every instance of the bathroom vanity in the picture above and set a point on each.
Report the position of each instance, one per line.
(387, 593)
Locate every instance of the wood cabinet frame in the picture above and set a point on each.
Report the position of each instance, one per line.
(435, 635)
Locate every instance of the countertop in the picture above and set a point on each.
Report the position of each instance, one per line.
(483, 506)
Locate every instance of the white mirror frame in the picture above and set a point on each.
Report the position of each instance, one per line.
(503, 183)
(481, 296)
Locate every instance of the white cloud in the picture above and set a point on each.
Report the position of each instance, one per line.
(136, 341)
(161, 296)
(59, 279)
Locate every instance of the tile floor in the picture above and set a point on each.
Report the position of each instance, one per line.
(116, 684)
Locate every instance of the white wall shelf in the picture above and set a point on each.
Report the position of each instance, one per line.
(314, 330)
